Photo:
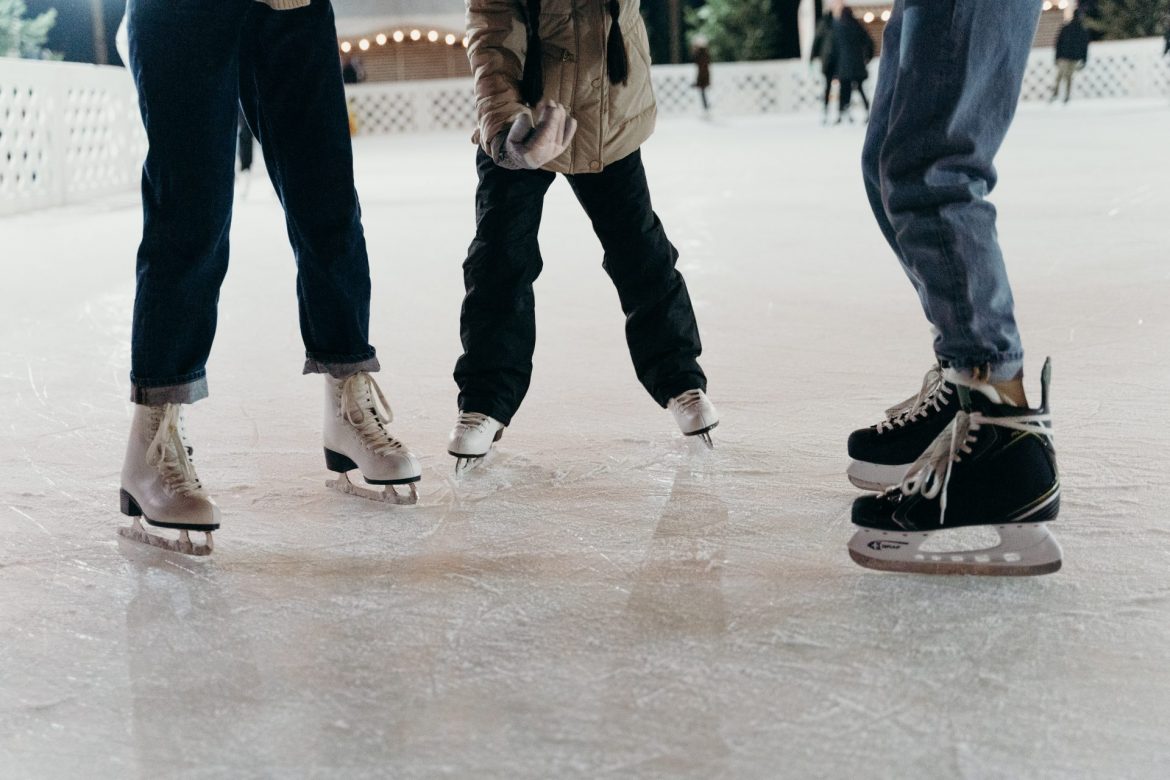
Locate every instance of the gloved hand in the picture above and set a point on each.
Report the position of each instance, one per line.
(528, 147)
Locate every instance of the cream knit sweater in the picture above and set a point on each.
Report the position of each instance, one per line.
(284, 5)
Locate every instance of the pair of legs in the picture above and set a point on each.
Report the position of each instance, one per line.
(196, 64)
(950, 81)
(498, 318)
(1064, 75)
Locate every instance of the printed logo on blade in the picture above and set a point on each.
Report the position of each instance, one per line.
(879, 544)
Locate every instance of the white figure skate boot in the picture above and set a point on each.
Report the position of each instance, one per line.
(472, 438)
(357, 418)
(695, 414)
(159, 483)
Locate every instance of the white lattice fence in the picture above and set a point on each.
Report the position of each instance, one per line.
(67, 132)
(1126, 69)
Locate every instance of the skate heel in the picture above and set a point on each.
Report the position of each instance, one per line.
(129, 505)
(338, 463)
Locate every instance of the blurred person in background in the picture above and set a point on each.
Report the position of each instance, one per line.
(1072, 52)
(852, 51)
(822, 49)
(701, 54)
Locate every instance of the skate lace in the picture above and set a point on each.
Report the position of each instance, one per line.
(473, 421)
(365, 408)
(930, 475)
(690, 400)
(170, 454)
(932, 395)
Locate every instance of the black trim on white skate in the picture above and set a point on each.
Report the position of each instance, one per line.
(131, 508)
(341, 464)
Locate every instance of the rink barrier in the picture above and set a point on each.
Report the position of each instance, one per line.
(71, 132)
(1116, 69)
(68, 133)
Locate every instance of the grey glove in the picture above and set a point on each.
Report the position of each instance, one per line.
(528, 147)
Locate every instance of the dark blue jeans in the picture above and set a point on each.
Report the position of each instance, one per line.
(196, 63)
(950, 80)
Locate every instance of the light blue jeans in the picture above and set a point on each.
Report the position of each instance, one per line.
(950, 80)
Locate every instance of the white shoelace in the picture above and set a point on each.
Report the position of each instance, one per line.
(169, 452)
(930, 475)
(689, 400)
(360, 395)
(473, 421)
(934, 391)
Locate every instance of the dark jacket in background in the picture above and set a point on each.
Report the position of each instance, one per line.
(822, 46)
(852, 48)
(1073, 42)
(702, 57)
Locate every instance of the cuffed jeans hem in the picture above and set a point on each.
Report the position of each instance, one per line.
(491, 408)
(1004, 368)
(341, 369)
(183, 393)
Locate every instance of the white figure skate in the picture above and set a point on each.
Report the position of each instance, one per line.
(695, 415)
(160, 486)
(472, 438)
(357, 417)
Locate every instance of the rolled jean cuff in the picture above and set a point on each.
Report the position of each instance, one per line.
(1004, 368)
(341, 366)
(187, 392)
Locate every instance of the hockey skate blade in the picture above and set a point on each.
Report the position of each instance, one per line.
(389, 495)
(182, 545)
(1024, 550)
(875, 476)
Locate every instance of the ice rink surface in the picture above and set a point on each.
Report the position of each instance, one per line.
(602, 598)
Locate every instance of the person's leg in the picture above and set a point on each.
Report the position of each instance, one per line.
(246, 145)
(661, 330)
(292, 94)
(189, 108)
(879, 122)
(497, 322)
(845, 97)
(864, 98)
(1069, 74)
(828, 96)
(959, 77)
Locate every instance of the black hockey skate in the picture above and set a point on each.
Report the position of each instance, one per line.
(993, 466)
(881, 454)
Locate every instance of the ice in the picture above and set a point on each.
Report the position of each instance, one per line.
(603, 597)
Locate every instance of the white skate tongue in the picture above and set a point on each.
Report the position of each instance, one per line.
(988, 392)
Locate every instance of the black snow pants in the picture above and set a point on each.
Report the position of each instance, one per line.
(498, 320)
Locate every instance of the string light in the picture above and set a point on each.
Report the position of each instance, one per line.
(869, 17)
(885, 16)
(398, 36)
(1047, 5)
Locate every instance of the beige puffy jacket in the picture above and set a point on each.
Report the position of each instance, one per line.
(613, 120)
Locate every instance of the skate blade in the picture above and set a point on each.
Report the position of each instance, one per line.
(389, 495)
(466, 464)
(1024, 550)
(182, 545)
